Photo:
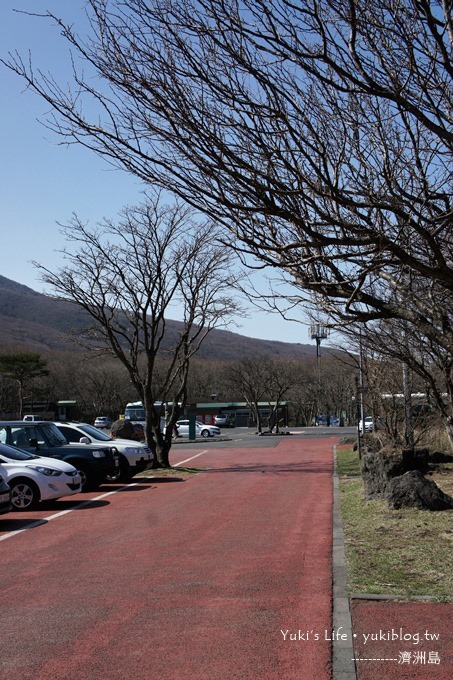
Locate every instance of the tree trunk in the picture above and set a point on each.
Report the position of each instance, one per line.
(21, 399)
(162, 454)
(256, 412)
(449, 429)
(449, 386)
(161, 445)
(159, 441)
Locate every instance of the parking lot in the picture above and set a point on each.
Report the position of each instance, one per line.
(183, 452)
(185, 575)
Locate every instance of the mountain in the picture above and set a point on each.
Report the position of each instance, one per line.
(32, 321)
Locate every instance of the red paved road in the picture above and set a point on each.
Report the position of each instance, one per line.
(404, 640)
(190, 579)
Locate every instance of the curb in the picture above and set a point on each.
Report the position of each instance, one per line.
(343, 664)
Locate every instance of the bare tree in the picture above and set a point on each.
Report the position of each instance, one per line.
(281, 376)
(419, 361)
(99, 384)
(263, 384)
(318, 133)
(130, 276)
(22, 368)
(304, 396)
(248, 377)
(8, 398)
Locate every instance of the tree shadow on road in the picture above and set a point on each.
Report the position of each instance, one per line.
(8, 524)
(279, 468)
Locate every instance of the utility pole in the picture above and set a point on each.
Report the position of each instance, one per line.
(360, 392)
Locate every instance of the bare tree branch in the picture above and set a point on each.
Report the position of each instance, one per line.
(318, 133)
(130, 276)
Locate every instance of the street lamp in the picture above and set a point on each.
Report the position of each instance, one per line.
(319, 332)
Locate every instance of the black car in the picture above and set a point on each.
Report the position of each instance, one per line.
(5, 493)
(93, 464)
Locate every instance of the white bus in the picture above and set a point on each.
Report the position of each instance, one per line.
(135, 412)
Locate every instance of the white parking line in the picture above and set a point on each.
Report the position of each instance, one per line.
(181, 462)
(19, 531)
(55, 515)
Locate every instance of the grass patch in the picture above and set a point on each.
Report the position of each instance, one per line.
(405, 552)
(347, 462)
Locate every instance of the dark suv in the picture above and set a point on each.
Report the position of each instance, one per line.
(94, 465)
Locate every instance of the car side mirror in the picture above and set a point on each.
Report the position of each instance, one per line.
(84, 440)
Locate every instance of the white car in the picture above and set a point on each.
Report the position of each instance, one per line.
(366, 425)
(103, 422)
(134, 456)
(201, 430)
(33, 478)
(5, 492)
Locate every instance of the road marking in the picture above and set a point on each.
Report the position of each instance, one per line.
(55, 515)
(19, 531)
(181, 462)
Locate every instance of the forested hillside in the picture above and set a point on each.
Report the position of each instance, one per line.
(32, 320)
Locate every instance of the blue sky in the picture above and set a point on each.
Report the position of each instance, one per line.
(43, 184)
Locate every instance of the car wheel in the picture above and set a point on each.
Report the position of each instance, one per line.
(204, 433)
(83, 478)
(124, 473)
(87, 482)
(24, 494)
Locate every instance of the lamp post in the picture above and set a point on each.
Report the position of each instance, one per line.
(319, 332)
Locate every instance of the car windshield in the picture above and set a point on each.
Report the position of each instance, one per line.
(52, 434)
(94, 432)
(9, 453)
(134, 413)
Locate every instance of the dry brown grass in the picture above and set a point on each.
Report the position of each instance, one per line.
(406, 552)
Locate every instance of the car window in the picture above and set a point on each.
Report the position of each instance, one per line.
(70, 435)
(3, 435)
(22, 436)
(94, 432)
(52, 434)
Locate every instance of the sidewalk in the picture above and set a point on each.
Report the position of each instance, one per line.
(386, 638)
